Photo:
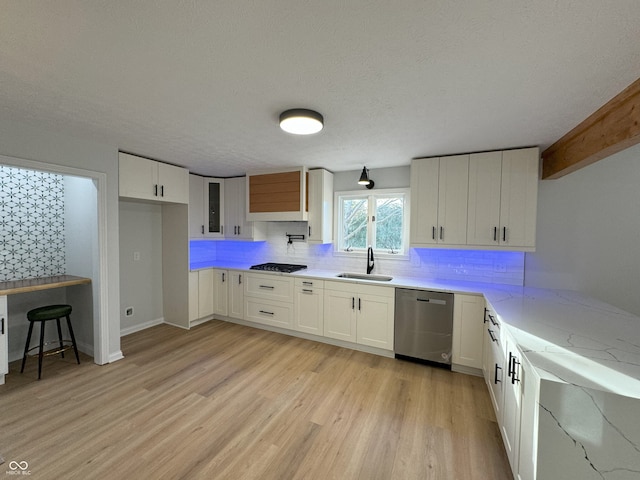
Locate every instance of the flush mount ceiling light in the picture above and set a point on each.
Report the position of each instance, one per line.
(365, 180)
(300, 121)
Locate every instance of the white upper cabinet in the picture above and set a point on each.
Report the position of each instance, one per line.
(206, 207)
(503, 194)
(235, 212)
(145, 179)
(196, 206)
(439, 188)
(320, 187)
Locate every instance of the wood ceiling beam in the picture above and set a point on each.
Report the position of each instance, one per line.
(612, 128)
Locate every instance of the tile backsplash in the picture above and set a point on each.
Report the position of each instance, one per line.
(32, 233)
(436, 264)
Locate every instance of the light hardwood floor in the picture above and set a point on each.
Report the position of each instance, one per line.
(224, 401)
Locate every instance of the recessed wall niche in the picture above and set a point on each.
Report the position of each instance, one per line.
(32, 232)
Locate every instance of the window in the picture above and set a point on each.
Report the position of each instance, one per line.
(378, 219)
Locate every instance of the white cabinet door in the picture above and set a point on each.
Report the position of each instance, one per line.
(196, 206)
(193, 296)
(235, 212)
(173, 183)
(320, 206)
(439, 193)
(468, 314)
(340, 314)
(308, 306)
(236, 294)
(213, 207)
(375, 310)
(424, 200)
(220, 292)
(519, 197)
(485, 174)
(138, 177)
(453, 187)
(205, 292)
(528, 451)
(4, 345)
(511, 407)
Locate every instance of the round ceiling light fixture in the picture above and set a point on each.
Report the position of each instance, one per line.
(301, 121)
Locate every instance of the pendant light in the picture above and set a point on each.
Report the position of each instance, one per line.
(365, 180)
(301, 121)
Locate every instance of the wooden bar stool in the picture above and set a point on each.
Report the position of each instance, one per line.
(42, 315)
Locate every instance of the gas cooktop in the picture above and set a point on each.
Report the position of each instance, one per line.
(279, 267)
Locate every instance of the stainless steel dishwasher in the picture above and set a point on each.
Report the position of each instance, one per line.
(423, 325)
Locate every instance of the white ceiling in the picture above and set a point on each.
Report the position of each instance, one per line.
(201, 83)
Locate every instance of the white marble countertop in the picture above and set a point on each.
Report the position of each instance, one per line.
(567, 336)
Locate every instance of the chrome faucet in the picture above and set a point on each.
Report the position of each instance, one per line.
(370, 263)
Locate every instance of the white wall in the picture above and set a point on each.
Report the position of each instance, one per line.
(31, 142)
(588, 235)
(140, 280)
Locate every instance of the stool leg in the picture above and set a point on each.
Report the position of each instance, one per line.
(41, 351)
(26, 347)
(73, 339)
(60, 338)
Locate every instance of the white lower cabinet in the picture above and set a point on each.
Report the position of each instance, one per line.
(4, 345)
(220, 292)
(511, 403)
(358, 313)
(268, 299)
(200, 294)
(308, 306)
(467, 349)
(236, 294)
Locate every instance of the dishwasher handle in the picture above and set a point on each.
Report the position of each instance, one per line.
(435, 301)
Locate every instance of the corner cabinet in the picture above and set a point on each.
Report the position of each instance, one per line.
(439, 201)
(320, 222)
(277, 195)
(206, 207)
(359, 313)
(503, 196)
(144, 179)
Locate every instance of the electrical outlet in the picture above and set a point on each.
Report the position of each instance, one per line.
(500, 267)
(136, 256)
(128, 312)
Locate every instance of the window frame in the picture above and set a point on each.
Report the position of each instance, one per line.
(370, 196)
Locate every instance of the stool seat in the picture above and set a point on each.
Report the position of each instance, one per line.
(42, 315)
(49, 312)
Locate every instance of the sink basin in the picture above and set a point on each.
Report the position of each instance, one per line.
(364, 276)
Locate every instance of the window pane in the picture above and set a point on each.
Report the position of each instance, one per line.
(388, 224)
(354, 223)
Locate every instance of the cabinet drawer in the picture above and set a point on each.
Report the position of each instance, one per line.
(309, 283)
(269, 287)
(269, 312)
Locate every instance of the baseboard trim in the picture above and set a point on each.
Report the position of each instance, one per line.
(141, 326)
(467, 370)
(114, 357)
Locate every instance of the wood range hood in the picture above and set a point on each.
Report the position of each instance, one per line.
(612, 128)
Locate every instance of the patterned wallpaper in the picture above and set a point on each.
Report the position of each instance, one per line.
(32, 235)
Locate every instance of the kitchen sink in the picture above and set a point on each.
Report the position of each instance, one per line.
(365, 276)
